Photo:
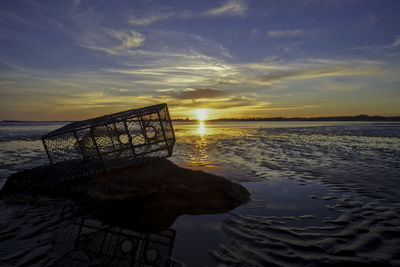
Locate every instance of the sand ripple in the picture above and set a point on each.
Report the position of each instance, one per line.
(28, 227)
(362, 234)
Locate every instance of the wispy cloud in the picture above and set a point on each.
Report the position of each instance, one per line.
(198, 93)
(230, 7)
(229, 102)
(396, 43)
(275, 72)
(185, 83)
(129, 38)
(120, 41)
(380, 48)
(288, 33)
(300, 74)
(150, 18)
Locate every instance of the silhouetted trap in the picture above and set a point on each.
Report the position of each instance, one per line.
(110, 142)
(89, 242)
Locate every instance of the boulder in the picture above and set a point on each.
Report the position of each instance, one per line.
(147, 197)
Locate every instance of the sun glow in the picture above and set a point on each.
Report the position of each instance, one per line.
(201, 114)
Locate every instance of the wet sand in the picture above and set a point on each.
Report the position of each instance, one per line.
(145, 199)
(356, 171)
(326, 195)
(337, 228)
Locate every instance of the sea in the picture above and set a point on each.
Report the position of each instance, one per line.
(322, 194)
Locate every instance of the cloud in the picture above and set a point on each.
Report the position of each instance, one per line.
(230, 7)
(299, 74)
(150, 18)
(286, 107)
(381, 48)
(287, 33)
(235, 102)
(151, 64)
(396, 43)
(129, 39)
(274, 72)
(199, 93)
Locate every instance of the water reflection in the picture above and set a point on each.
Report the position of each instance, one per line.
(199, 157)
(201, 130)
(89, 242)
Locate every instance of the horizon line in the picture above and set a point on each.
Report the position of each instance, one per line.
(342, 117)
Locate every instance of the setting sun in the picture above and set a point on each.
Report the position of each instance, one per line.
(201, 114)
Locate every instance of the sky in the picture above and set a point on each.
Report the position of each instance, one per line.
(77, 59)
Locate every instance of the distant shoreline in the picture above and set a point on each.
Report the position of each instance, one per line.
(333, 118)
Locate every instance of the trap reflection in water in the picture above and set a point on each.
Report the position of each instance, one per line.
(89, 241)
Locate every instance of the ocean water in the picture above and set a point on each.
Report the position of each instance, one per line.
(323, 193)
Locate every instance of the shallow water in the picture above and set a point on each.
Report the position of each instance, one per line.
(322, 193)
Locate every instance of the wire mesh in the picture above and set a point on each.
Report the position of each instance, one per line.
(110, 142)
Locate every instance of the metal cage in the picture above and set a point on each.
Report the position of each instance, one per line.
(110, 142)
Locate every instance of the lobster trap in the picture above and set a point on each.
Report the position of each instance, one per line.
(110, 142)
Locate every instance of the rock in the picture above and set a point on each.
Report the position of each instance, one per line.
(147, 197)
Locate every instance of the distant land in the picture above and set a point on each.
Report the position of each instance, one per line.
(333, 118)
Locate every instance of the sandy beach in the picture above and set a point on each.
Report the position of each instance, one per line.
(320, 195)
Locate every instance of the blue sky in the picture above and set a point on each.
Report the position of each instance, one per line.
(68, 60)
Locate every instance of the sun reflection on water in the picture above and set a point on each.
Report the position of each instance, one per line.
(200, 158)
(201, 130)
